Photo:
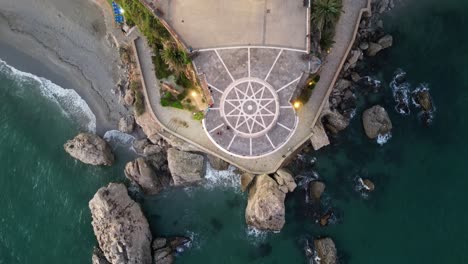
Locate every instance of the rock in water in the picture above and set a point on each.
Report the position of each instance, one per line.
(326, 250)
(286, 179)
(120, 227)
(335, 122)
(185, 167)
(316, 189)
(423, 98)
(376, 122)
(368, 185)
(127, 124)
(373, 49)
(143, 174)
(386, 41)
(217, 163)
(265, 208)
(98, 257)
(246, 180)
(90, 149)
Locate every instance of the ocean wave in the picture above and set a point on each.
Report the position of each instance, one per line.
(116, 136)
(256, 235)
(382, 139)
(69, 101)
(225, 179)
(401, 90)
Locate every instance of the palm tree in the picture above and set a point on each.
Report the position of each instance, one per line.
(325, 12)
(175, 57)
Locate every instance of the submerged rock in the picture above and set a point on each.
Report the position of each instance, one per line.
(217, 163)
(316, 189)
(326, 250)
(143, 174)
(164, 249)
(90, 149)
(121, 229)
(185, 167)
(265, 208)
(376, 122)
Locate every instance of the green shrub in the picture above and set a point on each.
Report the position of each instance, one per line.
(135, 85)
(161, 69)
(183, 81)
(177, 104)
(198, 116)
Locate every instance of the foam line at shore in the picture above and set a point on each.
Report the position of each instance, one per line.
(69, 101)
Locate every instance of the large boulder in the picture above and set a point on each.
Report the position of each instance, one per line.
(284, 178)
(185, 167)
(326, 250)
(423, 98)
(385, 41)
(319, 138)
(143, 174)
(376, 122)
(335, 122)
(373, 49)
(217, 163)
(90, 149)
(121, 229)
(265, 208)
(246, 180)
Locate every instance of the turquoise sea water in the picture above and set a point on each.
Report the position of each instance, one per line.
(416, 214)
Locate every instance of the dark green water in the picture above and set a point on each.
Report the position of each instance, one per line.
(416, 214)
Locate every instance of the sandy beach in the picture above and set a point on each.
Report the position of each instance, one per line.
(65, 41)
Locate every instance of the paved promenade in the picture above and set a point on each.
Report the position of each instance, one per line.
(180, 122)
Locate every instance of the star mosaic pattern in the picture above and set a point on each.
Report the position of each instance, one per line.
(251, 88)
(250, 107)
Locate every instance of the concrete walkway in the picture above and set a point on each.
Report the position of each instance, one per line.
(180, 123)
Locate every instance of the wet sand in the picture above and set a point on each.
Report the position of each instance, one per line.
(65, 41)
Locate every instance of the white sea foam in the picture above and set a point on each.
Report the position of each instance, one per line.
(382, 139)
(117, 136)
(72, 105)
(401, 90)
(256, 235)
(225, 179)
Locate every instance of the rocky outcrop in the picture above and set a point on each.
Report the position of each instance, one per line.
(217, 163)
(335, 122)
(246, 180)
(127, 124)
(121, 229)
(98, 257)
(319, 137)
(90, 149)
(143, 174)
(326, 250)
(373, 49)
(285, 180)
(185, 167)
(149, 126)
(385, 41)
(265, 208)
(316, 189)
(376, 122)
(164, 249)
